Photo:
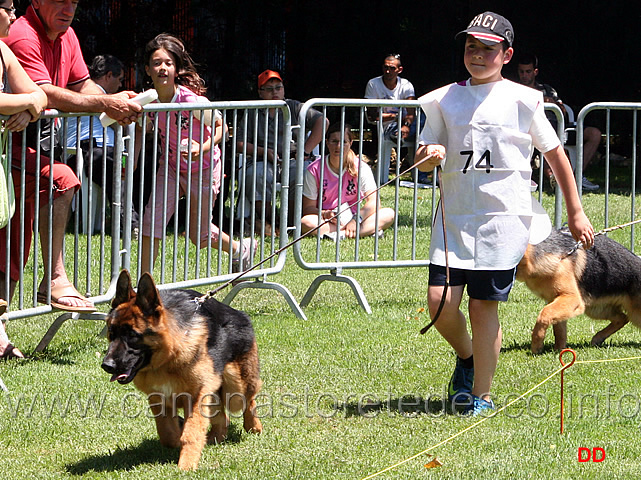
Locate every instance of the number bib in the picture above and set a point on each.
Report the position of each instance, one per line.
(486, 174)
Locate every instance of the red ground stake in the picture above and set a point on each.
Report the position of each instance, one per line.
(565, 367)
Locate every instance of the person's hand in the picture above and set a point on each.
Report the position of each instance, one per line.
(436, 152)
(433, 156)
(270, 155)
(35, 107)
(122, 109)
(350, 229)
(329, 215)
(193, 152)
(582, 230)
(18, 121)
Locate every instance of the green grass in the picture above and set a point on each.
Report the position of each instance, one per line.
(345, 394)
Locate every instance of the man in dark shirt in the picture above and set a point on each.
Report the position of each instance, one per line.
(528, 69)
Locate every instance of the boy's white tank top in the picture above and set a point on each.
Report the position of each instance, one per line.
(486, 174)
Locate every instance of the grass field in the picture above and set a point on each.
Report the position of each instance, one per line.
(345, 395)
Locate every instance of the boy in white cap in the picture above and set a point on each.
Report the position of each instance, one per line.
(481, 133)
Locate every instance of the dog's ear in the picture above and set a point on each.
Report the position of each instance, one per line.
(124, 290)
(148, 298)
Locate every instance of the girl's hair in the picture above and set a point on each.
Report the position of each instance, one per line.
(350, 162)
(186, 73)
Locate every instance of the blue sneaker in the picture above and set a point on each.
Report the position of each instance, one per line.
(459, 390)
(480, 407)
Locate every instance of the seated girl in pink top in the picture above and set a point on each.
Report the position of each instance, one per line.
(351, 191)
(175, 79)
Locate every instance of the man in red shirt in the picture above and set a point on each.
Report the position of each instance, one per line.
(50, 53)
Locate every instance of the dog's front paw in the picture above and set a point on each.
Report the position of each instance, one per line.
(188, 462)
(538, 335)
(252, 425)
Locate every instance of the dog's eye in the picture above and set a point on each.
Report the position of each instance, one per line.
(134, 338)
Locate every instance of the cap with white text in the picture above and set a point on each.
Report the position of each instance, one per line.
(490, 28)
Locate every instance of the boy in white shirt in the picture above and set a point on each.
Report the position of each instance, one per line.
(391, 86)
(488, 127)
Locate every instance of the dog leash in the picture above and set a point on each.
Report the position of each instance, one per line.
(447, 262)
(602, 232)
(211, 293)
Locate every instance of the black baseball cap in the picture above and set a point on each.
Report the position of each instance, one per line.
(490, 28)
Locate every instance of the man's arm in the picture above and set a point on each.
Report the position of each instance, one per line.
(316, 134)
(87, 97)
(410, 114)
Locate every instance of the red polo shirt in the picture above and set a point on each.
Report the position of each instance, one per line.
(59, 62)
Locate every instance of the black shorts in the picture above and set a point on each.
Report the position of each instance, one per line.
(494, 285)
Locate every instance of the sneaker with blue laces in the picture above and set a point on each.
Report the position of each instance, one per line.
(480, 407)
(459, 390)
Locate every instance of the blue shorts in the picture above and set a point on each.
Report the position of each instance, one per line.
(494, 285)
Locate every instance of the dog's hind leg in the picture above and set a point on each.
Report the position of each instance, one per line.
(617, 322)
(251, 422)
(558, 310)
(219, 425)
(241, 384)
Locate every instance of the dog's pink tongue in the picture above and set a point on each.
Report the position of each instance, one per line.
(117, 376)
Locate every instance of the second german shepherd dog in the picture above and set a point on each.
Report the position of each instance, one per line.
(199, 357)
(603, 282)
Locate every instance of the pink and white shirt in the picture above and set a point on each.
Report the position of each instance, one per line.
(185, 95)
(330, 188)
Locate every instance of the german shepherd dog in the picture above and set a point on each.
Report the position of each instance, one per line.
(199, 357)
(603, 282)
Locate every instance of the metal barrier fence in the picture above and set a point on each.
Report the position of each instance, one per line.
(253, 174)
(93, 261)
(558, 196)
(631, 112)
(81, 255)
(405, 244)
(85, 255)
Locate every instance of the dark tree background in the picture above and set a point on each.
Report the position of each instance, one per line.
(587, 49)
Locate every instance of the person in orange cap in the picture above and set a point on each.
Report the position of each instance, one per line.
(271, 87)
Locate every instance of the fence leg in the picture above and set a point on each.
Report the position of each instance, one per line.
(284, 291)
(55, 326)
(332, 277)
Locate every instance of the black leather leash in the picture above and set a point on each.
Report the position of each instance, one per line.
(447, 262)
